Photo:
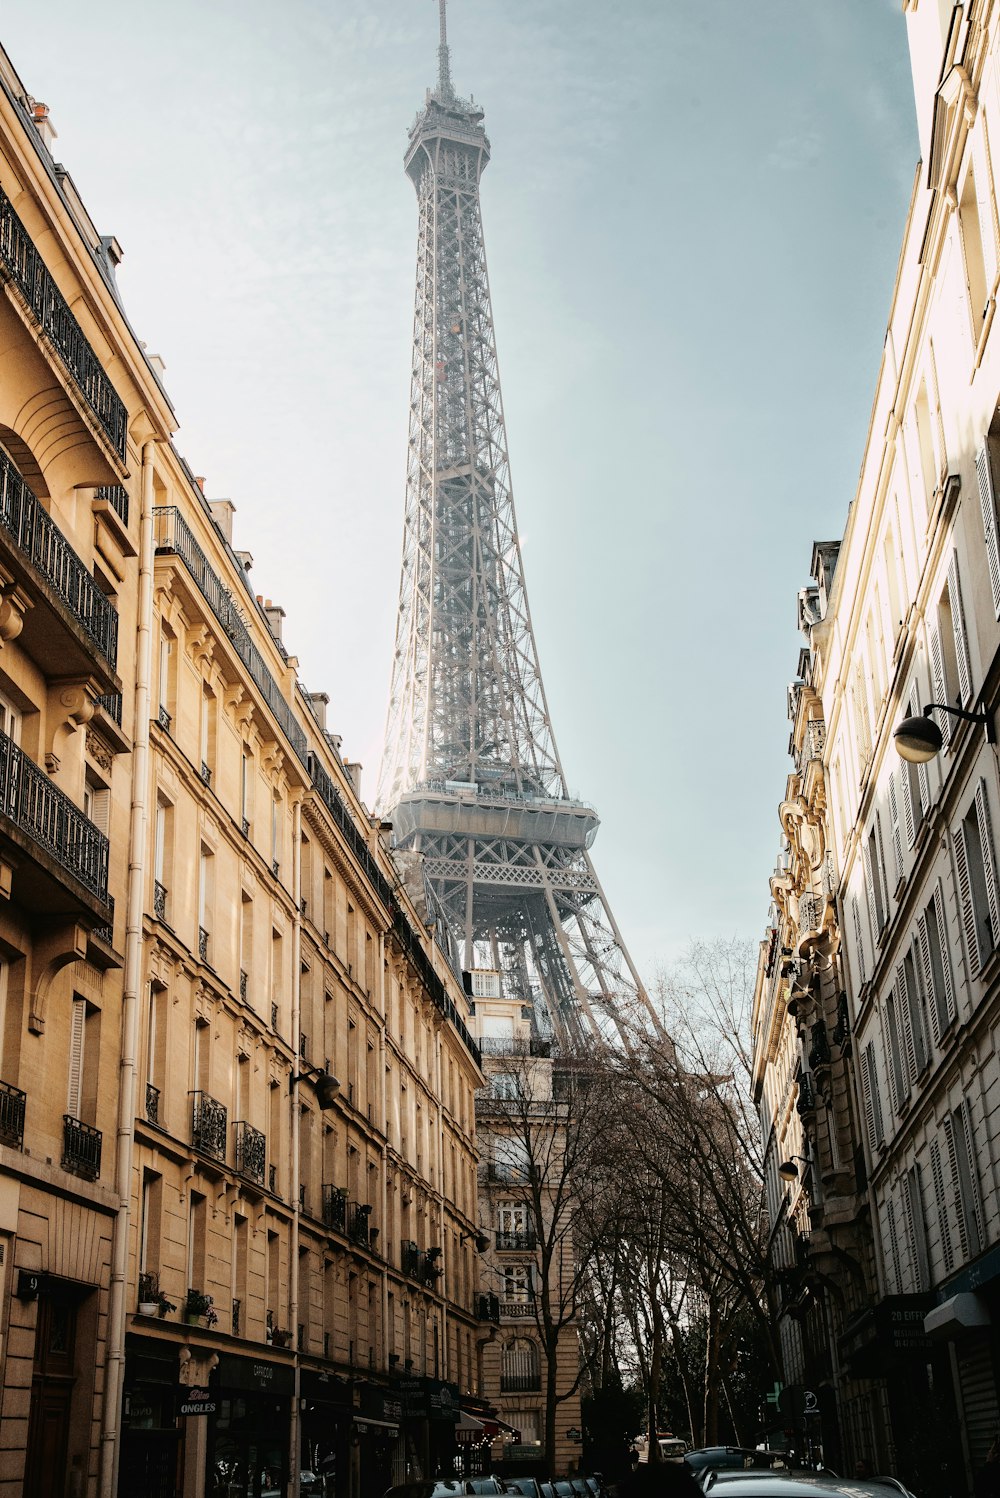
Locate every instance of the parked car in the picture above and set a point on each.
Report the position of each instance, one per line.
(440, 1487)
(801, 1484)
(731, 1458)
(526, 1486)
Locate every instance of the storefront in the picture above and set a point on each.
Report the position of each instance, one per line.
(249, 1428)
(152, 1436)
(967, 1316)
(377, 1434)
(327, 1414)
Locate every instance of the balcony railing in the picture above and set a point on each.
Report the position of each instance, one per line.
(117, 498)
(237, 1307)
(335, 1208)
(509, 1045)
(208, 1125)
(152, 1103)
(111, 702)
(50, 310)
(488, 1309)
(12, 1105)
(523, 1241)
(806, 1102)
(819, 1054)
(202, 944)
(159, 900)
(81, 1148)
(244, 980)
(42, 543)
(41, 809)
(174, 535)
(516, 1310)
(336, 806)
(251, 1153)
(508, 1173)
(357, 1222)
(520, 1383)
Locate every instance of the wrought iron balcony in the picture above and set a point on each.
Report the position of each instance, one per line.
(250, 1153)
(819, 1055)
(520, 1383)
(488, 1309)
(152, 1103)
(842, 1029)
(510, 1045)
(237, 1307)
(12, 1106)
(81, 1148)
(117, 497)
(173, 534)
(62, 332)
(523, 1241)
(111, 702)
(208, 1125)
(335, 1208)
(51, 820)
(357, 1222)
(42, 544)
(508, 1173)
(272, 1179)
(807, 1095)
(163, 718)
(202, 944)
(206, 773)
(244, 980)
(159, 900)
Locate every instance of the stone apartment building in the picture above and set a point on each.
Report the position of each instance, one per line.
(525, 1189)
(238, 1195)
(910, 616)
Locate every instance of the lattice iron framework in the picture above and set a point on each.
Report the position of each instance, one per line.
(470, 775)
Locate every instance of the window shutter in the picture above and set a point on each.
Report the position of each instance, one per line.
(924, 784)
(961, 633)
(869, 1090)
(906, 1001)
(893, 1237)
(939, 681)
(941, 1204)
(913, 1207)
(956, 1186)
(986, 497)
(870, 889)
(949, 987)
(937, 999)
(75, 1089)
(906, 789)
(859, 944)
(970, 1154)
(896, 831)
(877, 1128)
(890, 1032)
(965, 900)
(989, 857)
(881, 859)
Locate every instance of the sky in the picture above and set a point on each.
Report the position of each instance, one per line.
(693, 216)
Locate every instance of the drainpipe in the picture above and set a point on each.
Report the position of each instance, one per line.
(293, 1268)
(118, 1307)
(445, 1272)
(384, 1096)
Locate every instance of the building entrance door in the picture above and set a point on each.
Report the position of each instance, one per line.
(51, 1396)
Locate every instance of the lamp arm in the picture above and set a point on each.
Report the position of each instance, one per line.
(985, 718)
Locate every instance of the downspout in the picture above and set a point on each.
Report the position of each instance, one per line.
(445, 1358)
(118, 1308)
(293, 1268)
(384, 1096)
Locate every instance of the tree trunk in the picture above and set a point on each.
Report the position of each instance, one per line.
(551, 1367)
(712, 1375)
(655, 1373)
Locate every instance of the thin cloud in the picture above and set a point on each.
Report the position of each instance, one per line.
(793, 152)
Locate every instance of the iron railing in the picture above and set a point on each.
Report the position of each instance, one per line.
(335, 1208)
(208, 1125)
(206, 773)
(12, 1106)
(522, 1241)
(272, 1179)
(842, 1029)
(202, 944)
(29, 798)
(244, 980)
(407, 939)
(152, 1103)
(117, 498)
(251, 1153)
(173, 534)
(337, 807)
(49, 308)
(819, 1054)
(357, 1221)
(81, 1147)
(43, 544)
(520, 1383)
(806, 1102)
(237, 1307)
(159, 900)
(488, 1309)
(509, 1045)
(516, 1310)
(111, 702)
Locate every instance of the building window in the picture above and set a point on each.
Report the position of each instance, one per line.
(988, 504)
(520, 1370)
(913, 998)
(972, 250)
(937, 968)
(965, 1177)
(517, 1284)
(872, 1098)
(916, 1226)
(97, 802)
(975, 862)
(206, 734)
(898, 1071)
(874, 861)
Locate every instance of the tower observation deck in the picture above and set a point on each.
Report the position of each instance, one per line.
(470, 774)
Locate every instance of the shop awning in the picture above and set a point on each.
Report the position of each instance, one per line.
(468, 1427)
(367, 1422)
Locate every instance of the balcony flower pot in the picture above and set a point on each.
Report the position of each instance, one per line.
(148, 1307)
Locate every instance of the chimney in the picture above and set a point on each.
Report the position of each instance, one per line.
(245, 559)
(275, 613)
(199, 479)
(157, 365)
(352, 769)
(44, 126)
(319, 702)
(222, 513)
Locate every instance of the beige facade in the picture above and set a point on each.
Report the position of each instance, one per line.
(238, 1189)
(910, 618)
(525, 1191)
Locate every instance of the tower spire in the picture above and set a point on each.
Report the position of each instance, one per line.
(444, 88)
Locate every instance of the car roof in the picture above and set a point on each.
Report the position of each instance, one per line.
(779, 1484)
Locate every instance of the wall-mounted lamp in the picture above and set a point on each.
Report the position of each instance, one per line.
(325, 1087)
(788, 1170)
(919, 739)
(481, 1240)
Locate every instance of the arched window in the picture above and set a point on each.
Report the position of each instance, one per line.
(521, 1371)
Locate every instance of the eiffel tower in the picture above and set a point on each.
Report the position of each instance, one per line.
(471, 777)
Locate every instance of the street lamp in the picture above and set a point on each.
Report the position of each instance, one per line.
(788, 1170)
(482, 1240)
(919, 739)
(325, 1087)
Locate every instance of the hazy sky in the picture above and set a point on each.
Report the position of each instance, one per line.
(692, 216)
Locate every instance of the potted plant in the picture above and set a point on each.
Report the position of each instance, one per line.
(164, 1306)
(199, 1309)
(280, 1338)
(148, 1295)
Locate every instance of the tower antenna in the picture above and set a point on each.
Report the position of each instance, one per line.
(444, 87)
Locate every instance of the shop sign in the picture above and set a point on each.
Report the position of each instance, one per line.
(381, 1404)
(197, 1400)
(255, 1374)
(900, 1322)
(442, 1401)
(518, 1453)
